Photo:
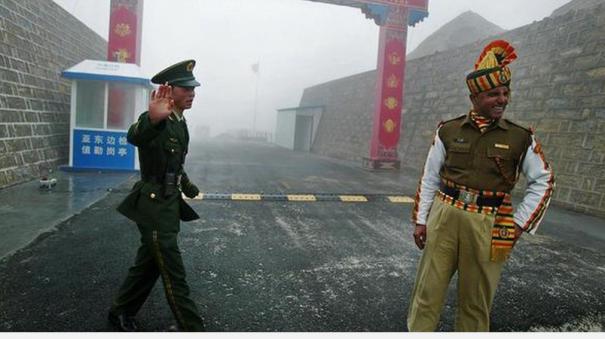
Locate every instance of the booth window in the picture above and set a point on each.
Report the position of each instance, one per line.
(90, 102)
(120, 105)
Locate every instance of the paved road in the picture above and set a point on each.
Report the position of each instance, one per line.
(279, 266)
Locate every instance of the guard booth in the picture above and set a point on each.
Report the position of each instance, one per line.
(106, 98)
(296, 127)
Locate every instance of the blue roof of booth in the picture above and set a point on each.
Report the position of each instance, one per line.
(107, 71)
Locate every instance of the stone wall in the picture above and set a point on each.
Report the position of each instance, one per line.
(38, 40)
(340, 133)
(558, 88)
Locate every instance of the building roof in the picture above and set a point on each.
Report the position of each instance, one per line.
(107, 71)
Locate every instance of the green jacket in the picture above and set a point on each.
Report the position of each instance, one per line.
(162, 148)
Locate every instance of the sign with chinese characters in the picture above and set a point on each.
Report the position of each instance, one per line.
(102, 149)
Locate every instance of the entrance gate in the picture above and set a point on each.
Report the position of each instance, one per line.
(393, 17)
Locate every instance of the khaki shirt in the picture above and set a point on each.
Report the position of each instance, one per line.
(483, 161)
(487, 161)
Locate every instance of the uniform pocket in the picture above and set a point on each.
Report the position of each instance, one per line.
(502, 163)
(459, 156)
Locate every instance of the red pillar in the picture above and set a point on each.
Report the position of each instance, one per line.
(388, 101)
(124, 46)
(125, 28)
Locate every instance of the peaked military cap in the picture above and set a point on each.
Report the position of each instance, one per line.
(179, 74)
(491, 69)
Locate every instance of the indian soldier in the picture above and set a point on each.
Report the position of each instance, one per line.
(463, 216)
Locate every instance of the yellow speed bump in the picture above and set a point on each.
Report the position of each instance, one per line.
(353, 198)
(238, 196)
(301, 197)
(400, 199)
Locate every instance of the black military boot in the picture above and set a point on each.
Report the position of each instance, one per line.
(123, 322)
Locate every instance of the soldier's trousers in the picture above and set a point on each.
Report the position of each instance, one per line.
(457, 240)
(158, 256)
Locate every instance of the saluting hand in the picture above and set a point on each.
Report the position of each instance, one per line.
(420, 236)
(161, 104)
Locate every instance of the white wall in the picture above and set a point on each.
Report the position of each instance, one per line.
(284, 129)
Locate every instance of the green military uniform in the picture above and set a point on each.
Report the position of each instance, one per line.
(157, 206)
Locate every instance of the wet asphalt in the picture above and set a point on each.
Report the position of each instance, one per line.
(291, 266)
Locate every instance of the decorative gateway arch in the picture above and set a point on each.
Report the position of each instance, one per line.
(393, 17)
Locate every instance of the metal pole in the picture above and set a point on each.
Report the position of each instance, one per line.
(255, 101)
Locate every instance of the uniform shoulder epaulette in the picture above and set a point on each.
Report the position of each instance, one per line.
(443, 122)
(529, 130)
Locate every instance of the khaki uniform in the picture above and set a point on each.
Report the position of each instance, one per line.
(459, 235)
(156, 205)
(487, 161)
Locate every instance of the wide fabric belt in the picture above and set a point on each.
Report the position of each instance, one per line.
(469, 197)
(486, 202)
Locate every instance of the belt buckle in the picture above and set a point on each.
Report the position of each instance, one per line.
(467, 197)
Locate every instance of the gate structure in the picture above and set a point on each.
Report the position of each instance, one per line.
(393, 17)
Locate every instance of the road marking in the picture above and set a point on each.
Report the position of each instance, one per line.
(239, 196)
(400, 199)
(301, 197)
(353, 198)
(319, 197)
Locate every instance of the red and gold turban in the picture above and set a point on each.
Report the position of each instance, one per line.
(491, 68)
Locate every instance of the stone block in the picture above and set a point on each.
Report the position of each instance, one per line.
(16, 145)
(597, 157)
(23, 130)
(3, 131)
(567, 140)
(561, 104)
(575, 89)
(586, 198)
(587, 62)
(547, 125)
(30, 157)
(7, 161)
(588, 183)
(9, 75)
(590, 170)
(562, 193)
(597, 73)
(15, 103)
(569, 180)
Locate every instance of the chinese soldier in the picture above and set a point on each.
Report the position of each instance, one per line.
(156, 203)
(463, 216)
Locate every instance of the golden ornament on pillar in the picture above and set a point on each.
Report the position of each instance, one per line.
(394, 58)
(122, 30)
(391, 103)
(393, 81)
(389, 126)
(121, 55)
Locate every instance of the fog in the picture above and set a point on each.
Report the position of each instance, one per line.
(296, 43)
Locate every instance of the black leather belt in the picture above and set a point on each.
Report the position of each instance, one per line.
(159, 179)
(152, 179)
(471, 198)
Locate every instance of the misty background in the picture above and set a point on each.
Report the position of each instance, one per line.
(296, 43)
